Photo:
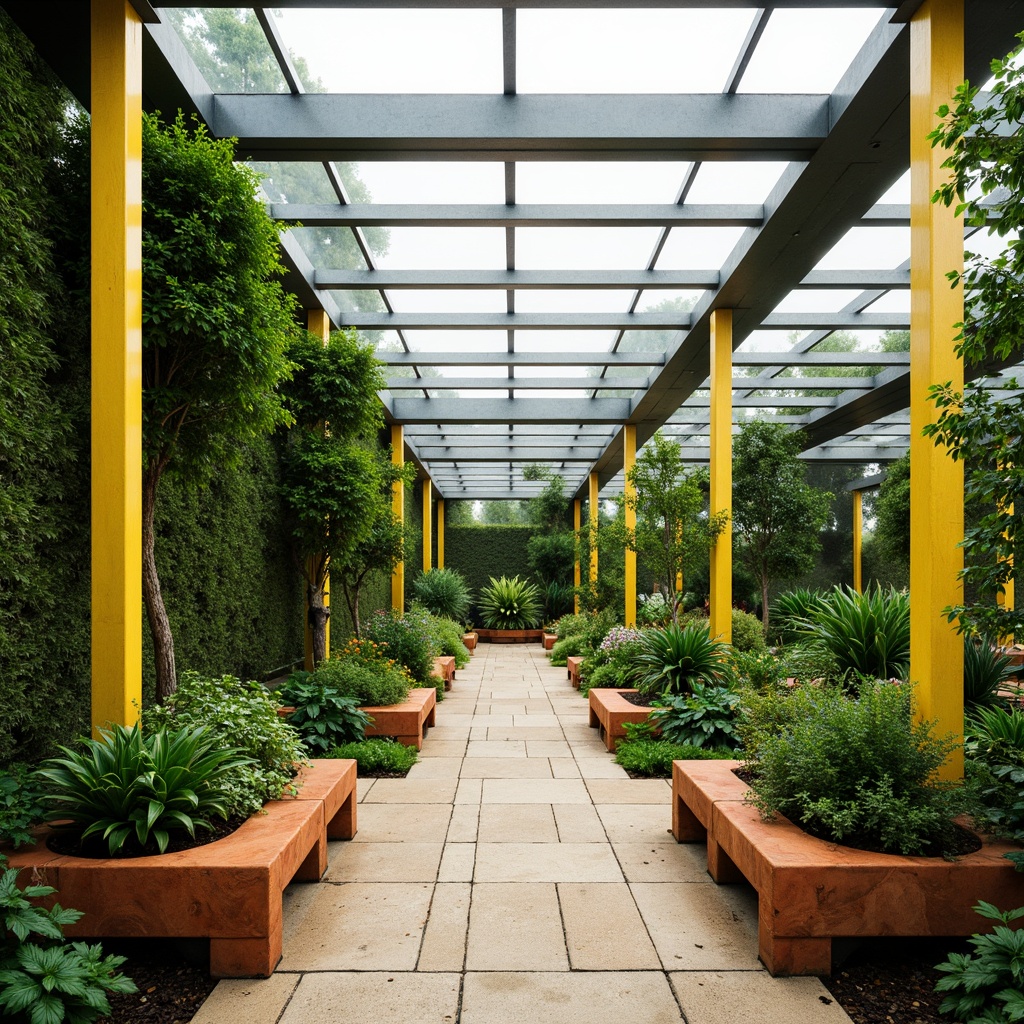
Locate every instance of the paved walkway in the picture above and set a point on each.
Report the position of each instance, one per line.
(518, 876)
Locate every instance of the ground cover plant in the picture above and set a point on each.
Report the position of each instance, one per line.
(323, 717)
(705, 717)
(239, 715)
(378, 758)
(652, 758)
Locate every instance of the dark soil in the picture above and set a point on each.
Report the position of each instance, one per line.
(639, 699)
(96, 848)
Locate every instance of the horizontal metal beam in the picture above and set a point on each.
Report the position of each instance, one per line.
(507, 455)
(801, 384)
(519, 215)
(511, 410)
(515, 279)
(332, 126)
(520, 358)
(519, 383)
(539, 4)
(600, 433)
(867, 280)
(838, 321)
(813, 358)
(517, 321)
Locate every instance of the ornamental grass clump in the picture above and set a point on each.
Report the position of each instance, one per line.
(671, 660)
(510, 604)
(855, 771)
(443, 592)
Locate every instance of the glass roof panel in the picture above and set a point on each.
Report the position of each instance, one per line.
(899, 191)
(454, 300)
(329, 248)
(358, 301)
(445, 249)
(456, 341)
(294, 181)
(698, 248)
(726, 181)
(415, 181)
(572, 300)
(873, 248)
(627, 51)
(808, 51)
(550, 394)
(892, 302)
(584, 248)
(564, 341)
(615, 181)
(815, 300)
(395, 51)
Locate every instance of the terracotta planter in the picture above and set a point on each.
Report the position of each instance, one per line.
(549, 640)
(610, 713)
(510, 636)
(228, 891)
(572, 670)
(444, 666)
(407, 721)
(469, 639)
(810, 891)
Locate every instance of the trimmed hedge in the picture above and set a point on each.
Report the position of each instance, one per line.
(480, 552)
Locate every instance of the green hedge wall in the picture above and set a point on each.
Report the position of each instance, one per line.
(479, 552)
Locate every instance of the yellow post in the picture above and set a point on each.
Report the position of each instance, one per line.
(428, 536)
(398, 508)
(721, 472)
(936, 481)
(679, 575)
(593, 528)
(577, 520)
(116, 144)
(629, 494)
(1005, 597)
(440, 532)
(858, 536)
(318, 323)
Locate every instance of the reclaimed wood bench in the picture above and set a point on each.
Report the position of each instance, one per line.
(229, 891)
(610, 712)
(406, 722)
(572, 668)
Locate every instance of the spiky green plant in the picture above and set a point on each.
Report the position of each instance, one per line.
(671, 660)
(985, 670)
(791, 608)
(510, 604)
(443, 592)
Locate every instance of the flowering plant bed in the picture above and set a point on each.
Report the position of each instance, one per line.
(811, 891)
(407, 721)
(228, 891)
(510, 636)
(610, 712)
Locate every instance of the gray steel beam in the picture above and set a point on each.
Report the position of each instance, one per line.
(519, 383)
(517, 321)
(359, 280)
(511, 410)
(837, 321)
(542, 4)
(814, 358)
(882, 280)
(522, 358)
(331, 126)
(507, 455)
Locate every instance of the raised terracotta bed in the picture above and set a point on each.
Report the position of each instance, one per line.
(444, 667)
(510, 636)
(549, 640)
(228, 891)
(469, 639)
(572, 670)
(408, 721)
(811, 891)
(610, 713)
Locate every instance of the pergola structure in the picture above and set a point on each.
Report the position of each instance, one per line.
(526, 359)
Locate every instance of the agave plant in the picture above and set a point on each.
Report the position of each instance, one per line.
(792, 608)
(985, 670)
(671, 660)
(510, 604)
(126, 786)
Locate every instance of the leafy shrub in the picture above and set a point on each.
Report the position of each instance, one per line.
(609, 664)
(747, 632)
(995, 747)
(404, 638)
(856, 771)
(21, 804)
(653, 609)
(323, 717)
(446, 639)
(367, 684)
(791, 610)
(48, 980)
(809, 663)
(570, 647)
(758, 669)
(988, 984)
(443, 592)
(238, 715)
(868, 635)
(985, 670)
(654, 758)
(581, 635)
(557, 599)
(378, 757)
(510, 604)
(126, 788)
(672, 659)
(704, 717)
(572, 625)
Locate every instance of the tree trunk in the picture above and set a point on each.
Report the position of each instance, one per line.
(764, 604)
(159, 624)
(318, 616)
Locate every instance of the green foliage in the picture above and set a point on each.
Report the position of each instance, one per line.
(446, 639)
(610, 663)
(510, 604)
(370, 683)
(47, 980)
(776, 516)
(323, 717)
(988, 984)
(239, 715)
(985, 671)
(580, 635)
(126, 789)
(760, 670)
(653, 609)
(809, 663)
(653, 758)
(671, 660)
(378, 757)
(408, 639)
(892, 511)
(995, 749)
(790, 610)
(704, 717)
(558, 599)
(480, 551)
(867, 635)
(21, 805)
(443, 592)
(747, 632)
(859, 772)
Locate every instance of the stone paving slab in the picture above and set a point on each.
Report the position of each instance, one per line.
(515, 927)
(402, 823)
(724, 998)
(546, 862)
(394, 999)
(603, 928)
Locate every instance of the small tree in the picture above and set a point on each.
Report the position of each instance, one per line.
(215, 325)
(892, 511)
(777, 517)
(674, 528)
(550, 548)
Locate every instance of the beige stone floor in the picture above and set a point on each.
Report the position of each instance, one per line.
(517, 875)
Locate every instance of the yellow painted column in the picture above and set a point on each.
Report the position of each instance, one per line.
(440, 533)
(318, 323)
(116, 294)
(577, 522)
(1005, 598)
(398, 508)
(428, 535)
(629, 494)
(593, 528)
(858, 537)
(721, 472)
(936, 480)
